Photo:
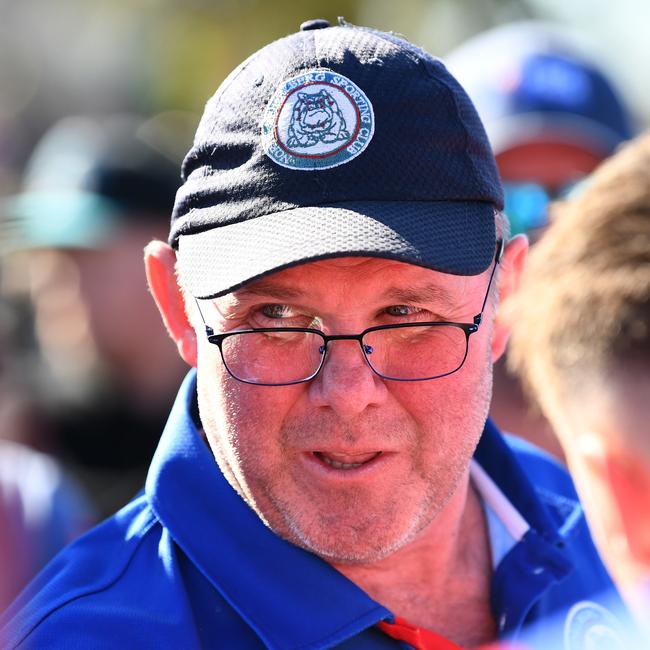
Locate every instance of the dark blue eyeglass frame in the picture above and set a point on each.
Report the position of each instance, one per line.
(467, 328)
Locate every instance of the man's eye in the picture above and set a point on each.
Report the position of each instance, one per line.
(401, 310)
(277, 311)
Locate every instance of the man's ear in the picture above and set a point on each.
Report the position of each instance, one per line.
(511, 267)
(160, 266)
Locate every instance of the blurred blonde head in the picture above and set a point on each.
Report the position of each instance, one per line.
(581, 342)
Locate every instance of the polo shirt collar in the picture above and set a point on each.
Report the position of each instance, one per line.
(555, 522)
(538, 560)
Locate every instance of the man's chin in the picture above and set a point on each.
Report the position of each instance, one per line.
(351, 545)
(353, 555)
(356, 528)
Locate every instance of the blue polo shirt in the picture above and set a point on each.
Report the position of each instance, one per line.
(187, 564)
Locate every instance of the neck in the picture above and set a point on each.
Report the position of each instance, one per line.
(445, 570)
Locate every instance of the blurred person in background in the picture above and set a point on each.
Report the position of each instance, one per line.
(581, 343)
(97, 374)
(552, 116)
(41, 510)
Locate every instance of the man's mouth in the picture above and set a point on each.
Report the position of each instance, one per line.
(346, 460)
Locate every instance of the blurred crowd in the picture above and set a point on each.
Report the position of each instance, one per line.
(87, 374)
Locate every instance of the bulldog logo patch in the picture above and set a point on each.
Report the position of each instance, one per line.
(317, 120)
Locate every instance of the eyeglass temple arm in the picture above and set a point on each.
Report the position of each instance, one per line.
(208, 330)
(497, 258)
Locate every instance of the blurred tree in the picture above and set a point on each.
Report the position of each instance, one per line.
(189, 49)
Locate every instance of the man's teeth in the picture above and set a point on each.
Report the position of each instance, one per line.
(337, 465)
(345, 464)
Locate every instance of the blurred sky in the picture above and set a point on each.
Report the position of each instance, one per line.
(59, 57)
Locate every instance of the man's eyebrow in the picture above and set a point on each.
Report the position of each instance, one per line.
(426, 293)
(270, 290)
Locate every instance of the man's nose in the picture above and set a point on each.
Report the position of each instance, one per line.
(346, 383)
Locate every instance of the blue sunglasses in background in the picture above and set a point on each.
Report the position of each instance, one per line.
(526, 204)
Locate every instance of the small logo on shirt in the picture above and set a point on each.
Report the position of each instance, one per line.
(317, 120)
(590, 626)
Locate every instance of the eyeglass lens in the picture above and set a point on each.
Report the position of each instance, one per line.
(280, 357)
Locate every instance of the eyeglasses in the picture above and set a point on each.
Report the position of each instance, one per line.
(282, 356)
(526, 204)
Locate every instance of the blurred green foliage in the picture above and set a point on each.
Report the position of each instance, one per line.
(187, 50)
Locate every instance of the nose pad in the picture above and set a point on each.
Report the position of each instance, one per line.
(368, 349)
(345, 352)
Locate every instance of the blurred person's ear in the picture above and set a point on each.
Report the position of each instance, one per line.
(511, 267)
(160, 266)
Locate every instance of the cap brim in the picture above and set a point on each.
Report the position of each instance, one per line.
(451, 237)
(58, 220)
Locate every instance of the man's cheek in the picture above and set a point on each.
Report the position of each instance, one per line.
(253, 415)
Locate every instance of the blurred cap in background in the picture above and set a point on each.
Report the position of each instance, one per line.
(87, 179)
(550, 112)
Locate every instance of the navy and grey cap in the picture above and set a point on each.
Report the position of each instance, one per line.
(335, 141)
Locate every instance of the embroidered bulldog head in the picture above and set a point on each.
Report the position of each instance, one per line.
(316, 118)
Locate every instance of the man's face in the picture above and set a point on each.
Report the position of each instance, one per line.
(404, 446)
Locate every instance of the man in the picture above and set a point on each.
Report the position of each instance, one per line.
(332, 277)
(581, 343)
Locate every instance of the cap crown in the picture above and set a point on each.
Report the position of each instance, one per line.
(428, 142)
